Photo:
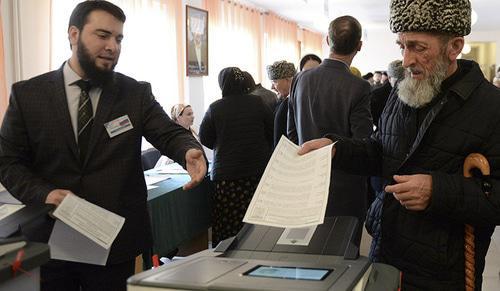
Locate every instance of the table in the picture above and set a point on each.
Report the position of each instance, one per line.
(177, 216)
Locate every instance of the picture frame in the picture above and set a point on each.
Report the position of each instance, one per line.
(196, 41)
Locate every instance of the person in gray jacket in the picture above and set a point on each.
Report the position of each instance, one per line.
(327, 99)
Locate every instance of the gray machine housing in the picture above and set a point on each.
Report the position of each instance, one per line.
(225, 268)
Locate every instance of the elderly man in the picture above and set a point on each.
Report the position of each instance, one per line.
(330, 99)
(281, 74)
(443, 110)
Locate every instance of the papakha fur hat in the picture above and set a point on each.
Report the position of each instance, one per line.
(445, 16)
(281, 70)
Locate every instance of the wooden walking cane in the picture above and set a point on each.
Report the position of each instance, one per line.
(472, 161)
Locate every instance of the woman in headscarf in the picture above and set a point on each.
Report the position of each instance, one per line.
(239, 128)
(182, 115)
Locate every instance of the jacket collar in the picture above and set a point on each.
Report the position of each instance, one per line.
(470, 81)
(334, 63)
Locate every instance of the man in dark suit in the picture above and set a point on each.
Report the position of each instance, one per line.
(59, 139)
(329, 98)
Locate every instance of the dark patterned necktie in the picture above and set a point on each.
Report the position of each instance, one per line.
(85, 117)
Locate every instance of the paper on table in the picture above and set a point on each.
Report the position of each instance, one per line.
(293, 191)
(149, 187)
(8, 209)
(153, 179)
(173, 168)
(96, 223)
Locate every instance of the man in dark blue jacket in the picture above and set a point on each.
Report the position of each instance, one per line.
(443, 110)
(330, 99)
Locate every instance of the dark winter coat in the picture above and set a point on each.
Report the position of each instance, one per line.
(428, 246)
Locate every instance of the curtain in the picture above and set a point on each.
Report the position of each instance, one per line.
(235, 36)
(174, 16)
(3, 89)
(312, 43)
(280, 42)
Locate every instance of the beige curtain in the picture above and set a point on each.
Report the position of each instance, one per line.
(174, 12)
(312, 43)
(4, 101)
(280, 42)
(235, 35)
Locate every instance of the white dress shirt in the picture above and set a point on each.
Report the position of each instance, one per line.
(73, 95)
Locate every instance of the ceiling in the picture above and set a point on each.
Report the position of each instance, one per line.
(316, 14)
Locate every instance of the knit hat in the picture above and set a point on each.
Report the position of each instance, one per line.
(281, 70)
(446, 16)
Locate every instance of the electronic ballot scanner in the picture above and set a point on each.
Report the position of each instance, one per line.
(264, 258)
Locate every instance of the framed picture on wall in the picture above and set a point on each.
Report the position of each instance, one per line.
(196, 41)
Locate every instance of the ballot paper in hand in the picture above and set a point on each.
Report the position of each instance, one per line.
(293, 191)
(83, 232)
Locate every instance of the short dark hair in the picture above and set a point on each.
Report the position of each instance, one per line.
(367, 76)
(309, 57)
(344, 34)
(81, 12)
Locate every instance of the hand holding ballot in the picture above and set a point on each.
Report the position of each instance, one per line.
(56, 196)
(84, 232)
(314, 145)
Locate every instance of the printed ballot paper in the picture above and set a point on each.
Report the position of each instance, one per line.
(293, 191)
(83, 232)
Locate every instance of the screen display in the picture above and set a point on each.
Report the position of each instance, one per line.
(294, 273)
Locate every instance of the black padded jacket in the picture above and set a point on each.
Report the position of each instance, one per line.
(428, 246)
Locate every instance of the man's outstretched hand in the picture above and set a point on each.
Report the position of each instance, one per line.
(196, 167)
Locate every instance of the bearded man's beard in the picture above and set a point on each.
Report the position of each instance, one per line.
(97, 76)
(418, 93)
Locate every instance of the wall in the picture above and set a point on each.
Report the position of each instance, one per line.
(379, 48)
(26, 36)
(490, 36)
(194, 90)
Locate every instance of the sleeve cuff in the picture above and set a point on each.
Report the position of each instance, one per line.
(446, 189)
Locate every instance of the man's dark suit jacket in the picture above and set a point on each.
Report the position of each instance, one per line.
(38, 153)
(325, 99)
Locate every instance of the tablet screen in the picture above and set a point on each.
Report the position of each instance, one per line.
(294, 273)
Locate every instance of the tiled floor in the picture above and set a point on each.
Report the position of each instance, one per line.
(491, 274)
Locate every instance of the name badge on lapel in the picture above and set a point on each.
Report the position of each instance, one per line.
(118, 126)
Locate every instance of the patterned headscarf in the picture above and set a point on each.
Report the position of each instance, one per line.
(446, 16)
(231, 81)
(177, 111)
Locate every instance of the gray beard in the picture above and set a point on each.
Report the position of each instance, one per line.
(418, 93)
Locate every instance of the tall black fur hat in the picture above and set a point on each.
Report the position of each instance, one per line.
(447, 16)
